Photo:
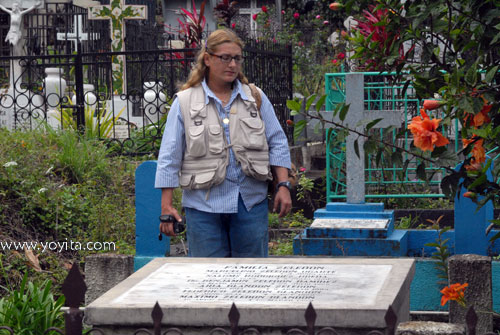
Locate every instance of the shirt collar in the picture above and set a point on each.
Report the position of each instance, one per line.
(238, 89)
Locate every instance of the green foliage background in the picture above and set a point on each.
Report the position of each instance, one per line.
(55, 186)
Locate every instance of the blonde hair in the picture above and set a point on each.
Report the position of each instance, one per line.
(200, 70)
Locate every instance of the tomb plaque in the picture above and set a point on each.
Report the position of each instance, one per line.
(253, 284)
(351, 223)
(351, 293)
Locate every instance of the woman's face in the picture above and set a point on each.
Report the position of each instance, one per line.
(220, 71)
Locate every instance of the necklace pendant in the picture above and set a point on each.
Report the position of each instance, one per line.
(226, 120)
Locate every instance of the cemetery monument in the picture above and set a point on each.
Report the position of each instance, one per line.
(196, 294)
(16, 100)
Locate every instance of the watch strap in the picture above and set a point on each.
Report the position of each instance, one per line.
(167, 218)
(285, 184)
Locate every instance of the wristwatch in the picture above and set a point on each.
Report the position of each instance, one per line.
(167, 218)
(286, 184)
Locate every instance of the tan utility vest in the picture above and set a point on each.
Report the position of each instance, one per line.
(207, 152)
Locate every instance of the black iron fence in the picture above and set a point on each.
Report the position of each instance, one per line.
(124, 104)
(74, 289)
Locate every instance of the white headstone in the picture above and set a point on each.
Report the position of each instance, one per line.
(350, 293)
(350, 223)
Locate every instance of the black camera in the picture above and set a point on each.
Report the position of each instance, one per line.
(179, 227)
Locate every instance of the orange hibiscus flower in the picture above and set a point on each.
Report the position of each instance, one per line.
(480, 118)
(425, 135)
(454, 292)
(478, 153)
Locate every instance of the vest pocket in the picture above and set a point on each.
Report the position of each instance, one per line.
(185, 180)
(260, 169)
(196, 143)
(215, 139)
(252, 131)
(204, 179)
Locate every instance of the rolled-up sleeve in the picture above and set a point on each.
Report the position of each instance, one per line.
(171, 149)
(279, 152)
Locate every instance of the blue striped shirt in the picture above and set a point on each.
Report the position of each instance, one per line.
(223, 198)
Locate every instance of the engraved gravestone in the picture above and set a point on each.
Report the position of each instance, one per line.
(196, 294)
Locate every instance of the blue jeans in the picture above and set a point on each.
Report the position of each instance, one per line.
(242, 234)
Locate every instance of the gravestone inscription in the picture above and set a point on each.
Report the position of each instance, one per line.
(257, 283)
(349, 294)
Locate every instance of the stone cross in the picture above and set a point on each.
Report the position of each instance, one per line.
(357, 118)
(117, 13)
(77, 34)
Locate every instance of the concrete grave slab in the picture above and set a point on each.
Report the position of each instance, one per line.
(351, 223)
(347, 293)
(350, 228)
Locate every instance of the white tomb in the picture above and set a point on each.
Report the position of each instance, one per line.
(349, 294)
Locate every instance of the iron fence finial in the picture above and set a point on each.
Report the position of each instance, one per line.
(74, 287)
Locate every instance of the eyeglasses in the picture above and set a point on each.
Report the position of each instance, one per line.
(226, 59)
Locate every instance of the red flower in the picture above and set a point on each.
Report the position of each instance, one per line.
(289, 122)
(302, 169)
(454, 292)
(478, 153)
(233, 25)
(296, 15)
(470, 195)
(432, 104)
(325, 22)
(254, 17)
(264, 9)
(335, 6)
(283, 12)
(341, 55)
(425, 135)
(334, 61)
(344, 33)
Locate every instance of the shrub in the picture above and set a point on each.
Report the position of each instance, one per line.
(57, 186)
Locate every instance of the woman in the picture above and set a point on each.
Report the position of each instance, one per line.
(221, 148)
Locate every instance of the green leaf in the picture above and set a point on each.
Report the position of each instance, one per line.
(310, 101)
(466, 104)
(495, 39)
(495, 237)
(298, 127)
(293, 105)
(397, 158)
(356, 147)
(343, 112)
(471, 75)
(479, 181)
(421, 172)
(372, 124)
(370, 146)
(438, 151)
(490, 75)
(320, 103)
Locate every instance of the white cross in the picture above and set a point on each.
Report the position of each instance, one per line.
(117, 12)
(357, 118)
(77, 33)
